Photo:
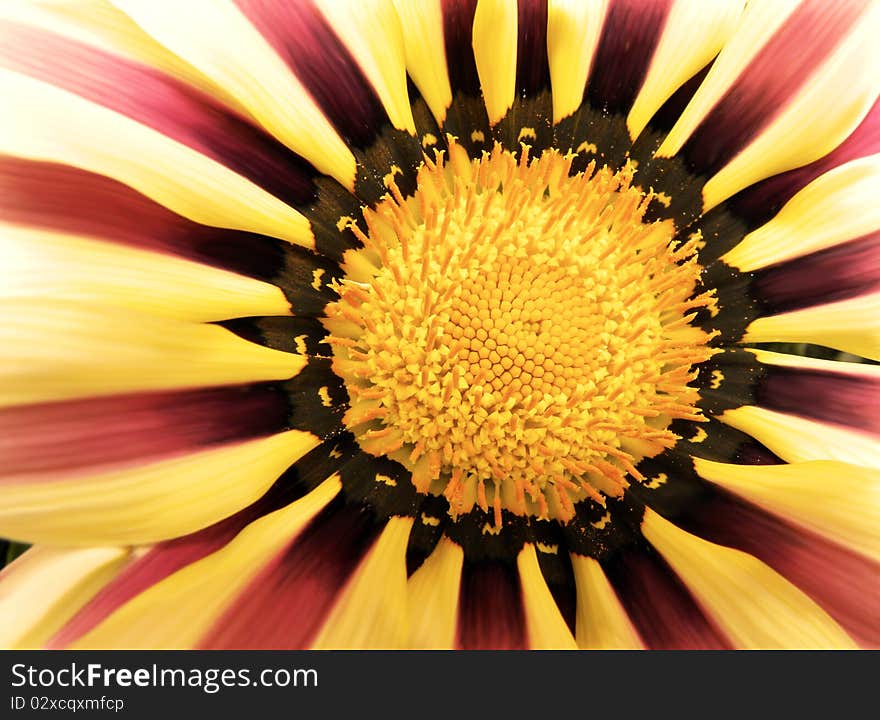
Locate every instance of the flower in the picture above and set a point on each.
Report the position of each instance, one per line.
(440, 324)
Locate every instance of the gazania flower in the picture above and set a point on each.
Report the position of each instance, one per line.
(440, 323)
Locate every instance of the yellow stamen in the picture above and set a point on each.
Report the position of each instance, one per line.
(523, 332)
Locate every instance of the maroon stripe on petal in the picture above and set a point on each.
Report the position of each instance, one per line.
(532, 64)
(630, 34)
(831, 397)
(167, 558)
(180, 111)
(458, 24)
(305, 40)
(66, 199)
(836, 273)
(844, 583)
(762, 201)
(43, 440)
(491, 613)
(286, 604)
(798, 48)
(662, 610)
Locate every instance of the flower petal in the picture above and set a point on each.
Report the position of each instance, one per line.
(693, 34)
(39, 264)
(372, 611)
(833, 209)
(841, 393)
(166, 104)
(573, 33)
(73, 436)
(178, 611)
(62, 198)
(151, 502)
(602, 623)
(834, 499)
(45, 586)
(851, 325)
(56, 351)
(797, 439)
(755, 606)
(547, 629)
(422, 28)
(495, 40)
(218, 40)
(491, 614)
(97, 24)
(846, 86)
(103, 141)
(433, 598)
(372, 33)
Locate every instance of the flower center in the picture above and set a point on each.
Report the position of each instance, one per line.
(516, 335)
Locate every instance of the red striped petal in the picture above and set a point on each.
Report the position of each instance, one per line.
(121, 430)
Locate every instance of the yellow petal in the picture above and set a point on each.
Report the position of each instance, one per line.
(495, 41)
(371, 31)
(59, 350)
(546, 627)
(693, 34)
(849, 325)
(94, 138)
(834, 499)
(179, 610)
(856, 369)
(372, 613)
(152, 502)
(758, 23)
(422, 27)
(753, 605)
(844, 89)
(797, 439)
(837, 206)
(45, 586)
(433, 598)
(574, 28)
(217, 39)
(602, 623)
(100, 25)
(44, 264)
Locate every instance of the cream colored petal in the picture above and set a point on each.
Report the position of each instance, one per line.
(546, 627)
(148, 503)
(56, 350)
(433, 598)
(850, 325)
(44, 264)
(574, 28)
(99, 24)
(44, 122)
(495, 46)
(837, 206)
(835, 499)
(757, 25)
(372, 612)
(422, 28)
(179, 611)
(694, 32)
(217, 39)
(836, 99)
(856, 369)
(371, 31)
(753, 605)
(45, 586)
(797, 439)
(602, 623)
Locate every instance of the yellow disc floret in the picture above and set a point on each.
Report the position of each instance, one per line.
(516, 335)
